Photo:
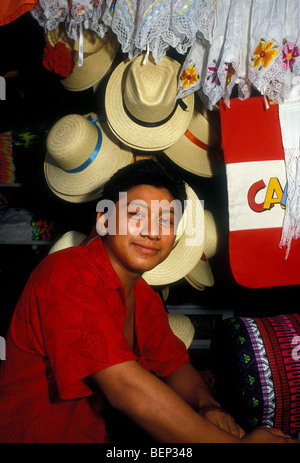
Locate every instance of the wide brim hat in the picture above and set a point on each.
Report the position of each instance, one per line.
(82, 154)
(182, 327)
(141, 105)
(196, 149)
(201, 275)
(69, 239)
(98, 56)
(187, 249)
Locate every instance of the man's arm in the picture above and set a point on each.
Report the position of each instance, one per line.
(157, 409)
(189, 384)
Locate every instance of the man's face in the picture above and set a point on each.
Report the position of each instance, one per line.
(146, 218)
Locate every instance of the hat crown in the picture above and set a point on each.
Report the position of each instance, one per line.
(71, 141)
(150, 89)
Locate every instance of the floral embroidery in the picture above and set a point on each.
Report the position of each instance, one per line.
(250, 380)
(189, 76)
(289, 54)
(253, 402)
(214, 72)
(58, 59)
(264, 53)
(230, 72)
(245, 358)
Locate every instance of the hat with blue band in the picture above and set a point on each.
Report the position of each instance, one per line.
(82, 154)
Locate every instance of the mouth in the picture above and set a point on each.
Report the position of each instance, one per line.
(146, 249)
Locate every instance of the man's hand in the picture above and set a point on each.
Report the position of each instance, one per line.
(269, 435)
(222, 419)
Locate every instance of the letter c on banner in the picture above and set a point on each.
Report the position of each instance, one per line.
(253, 190)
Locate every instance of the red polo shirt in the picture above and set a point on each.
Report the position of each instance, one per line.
(67, 325)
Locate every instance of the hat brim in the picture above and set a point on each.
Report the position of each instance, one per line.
(187, 251)
(135, 135)
(195, 284)
(195, 149)
(202, 273)
(86, 184)
(69, 239)
(182, 327)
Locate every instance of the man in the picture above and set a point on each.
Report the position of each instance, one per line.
(89, 331)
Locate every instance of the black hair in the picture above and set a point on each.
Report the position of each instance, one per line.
(144, 172)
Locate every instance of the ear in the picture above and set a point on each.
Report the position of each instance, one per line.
(101, 224)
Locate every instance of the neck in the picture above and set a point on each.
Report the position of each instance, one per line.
(127, 278)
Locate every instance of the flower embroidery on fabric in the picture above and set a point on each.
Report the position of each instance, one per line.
(253, 402)
(250, 380)
(189, 76)
(289, 54)
(214, 72)
(245, 358)
(264, 53)
(58, 59)
(241, 340)
(230, 72)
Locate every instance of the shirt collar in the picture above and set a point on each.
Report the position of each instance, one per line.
(96, 249)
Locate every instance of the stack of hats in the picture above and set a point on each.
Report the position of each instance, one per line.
(142, 114)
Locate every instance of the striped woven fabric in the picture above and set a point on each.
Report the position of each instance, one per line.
(257, 365)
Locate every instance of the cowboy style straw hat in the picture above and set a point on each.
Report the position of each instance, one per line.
(141, 106)
(82, 154)
(182, 327)
(98, 55)
(195, 149)
(187, 250)
(201, 275)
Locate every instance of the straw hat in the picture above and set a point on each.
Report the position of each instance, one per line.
(187, 250)
(98, 55)
(201, 275)
(195, 150)
(182, 327)
(141, 106)
(69, 239)
(82, 154)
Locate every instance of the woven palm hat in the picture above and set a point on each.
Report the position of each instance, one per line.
(187, 250)
(195, 149)
(201, 275)
(182, 327)
(98, 56)
(69, 239)
(141, 105)
(82, 154)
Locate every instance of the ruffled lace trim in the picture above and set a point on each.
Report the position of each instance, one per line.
(139, 24)
(226, 42)
(289, 116)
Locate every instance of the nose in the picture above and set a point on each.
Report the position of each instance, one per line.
(151, 231)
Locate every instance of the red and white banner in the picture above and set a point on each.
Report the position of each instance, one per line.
(256, 182)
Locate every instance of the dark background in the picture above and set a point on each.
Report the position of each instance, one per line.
(35, 100)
